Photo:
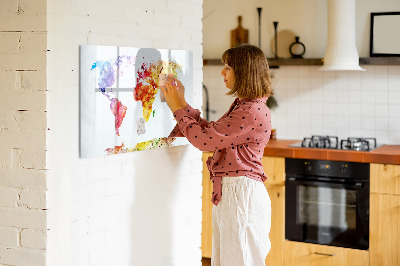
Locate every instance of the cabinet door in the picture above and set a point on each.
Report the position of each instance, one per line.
(385, 178)
(206, 232)
(384, 230)
(274, 168)
(304, 254)
(277, 233)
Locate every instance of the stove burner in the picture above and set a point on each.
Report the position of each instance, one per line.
(332, 142)
(328, 142)
(358, 144)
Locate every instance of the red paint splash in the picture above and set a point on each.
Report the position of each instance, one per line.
(116, 149)
(119, 111)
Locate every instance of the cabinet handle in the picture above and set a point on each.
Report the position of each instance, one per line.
(324, 254)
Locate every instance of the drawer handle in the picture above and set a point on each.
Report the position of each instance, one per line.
(324, 254)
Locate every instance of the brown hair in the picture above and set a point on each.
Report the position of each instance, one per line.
(250, 66)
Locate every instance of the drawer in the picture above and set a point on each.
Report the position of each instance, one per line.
(298, 253)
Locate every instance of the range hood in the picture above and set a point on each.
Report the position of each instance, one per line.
(341, 51)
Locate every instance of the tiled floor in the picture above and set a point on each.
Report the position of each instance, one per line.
(206, 261)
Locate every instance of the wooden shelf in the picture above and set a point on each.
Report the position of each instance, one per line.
(212, 62)
(380, 61)
(273, 63)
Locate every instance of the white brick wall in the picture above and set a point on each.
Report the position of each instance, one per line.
(9, 197)
(141, 208)
(33, 239)
(9, 237)
(312, 102)
(11, 256)
(101, 207)
(346, 104)
(23, 132)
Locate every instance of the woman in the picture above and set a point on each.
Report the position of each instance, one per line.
(242, 211)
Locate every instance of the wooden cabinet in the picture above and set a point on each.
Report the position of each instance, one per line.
(384, 230)
(277, 233)
(274, 168)
(304, 254)
(384, 222)
(206, 226)
(385, 178)
(385, 215)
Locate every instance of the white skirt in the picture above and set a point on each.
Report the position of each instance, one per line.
(241, 223)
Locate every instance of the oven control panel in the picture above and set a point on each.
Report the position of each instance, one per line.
(325, 167)
(337, 169)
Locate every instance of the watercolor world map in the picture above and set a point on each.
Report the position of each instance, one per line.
(121, 106)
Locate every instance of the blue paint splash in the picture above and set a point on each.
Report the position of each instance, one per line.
(106, 74)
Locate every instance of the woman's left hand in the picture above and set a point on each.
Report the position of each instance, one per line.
(170, 90)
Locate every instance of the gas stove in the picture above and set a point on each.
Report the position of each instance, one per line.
(332, 142)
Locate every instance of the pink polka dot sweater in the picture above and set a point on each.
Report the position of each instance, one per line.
(238, 139)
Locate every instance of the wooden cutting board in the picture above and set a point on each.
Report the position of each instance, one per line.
(239, 35)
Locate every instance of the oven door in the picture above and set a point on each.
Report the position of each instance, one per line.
(327, 213)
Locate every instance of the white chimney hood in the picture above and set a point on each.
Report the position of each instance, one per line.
(341, 51)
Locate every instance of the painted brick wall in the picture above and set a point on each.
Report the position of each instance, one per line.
(344, 103)
(141, 208)
(306, 19)
(23, 132)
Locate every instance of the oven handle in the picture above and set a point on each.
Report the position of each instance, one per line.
(357, 185)
(324, 254)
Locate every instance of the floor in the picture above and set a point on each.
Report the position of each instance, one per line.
(206, 261)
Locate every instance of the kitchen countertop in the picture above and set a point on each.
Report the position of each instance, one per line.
(389, 154)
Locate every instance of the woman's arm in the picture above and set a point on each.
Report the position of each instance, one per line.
(174, 93)
(239, 127)
(193, 113)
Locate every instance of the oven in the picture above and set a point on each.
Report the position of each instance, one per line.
(327, 202)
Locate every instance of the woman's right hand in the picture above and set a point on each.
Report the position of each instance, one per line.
(181, 91)
(170, 78)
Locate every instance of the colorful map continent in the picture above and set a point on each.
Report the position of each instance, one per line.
(148, 80)
(107, 77)
(142, 146)
(119, 111)
(147, 86)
